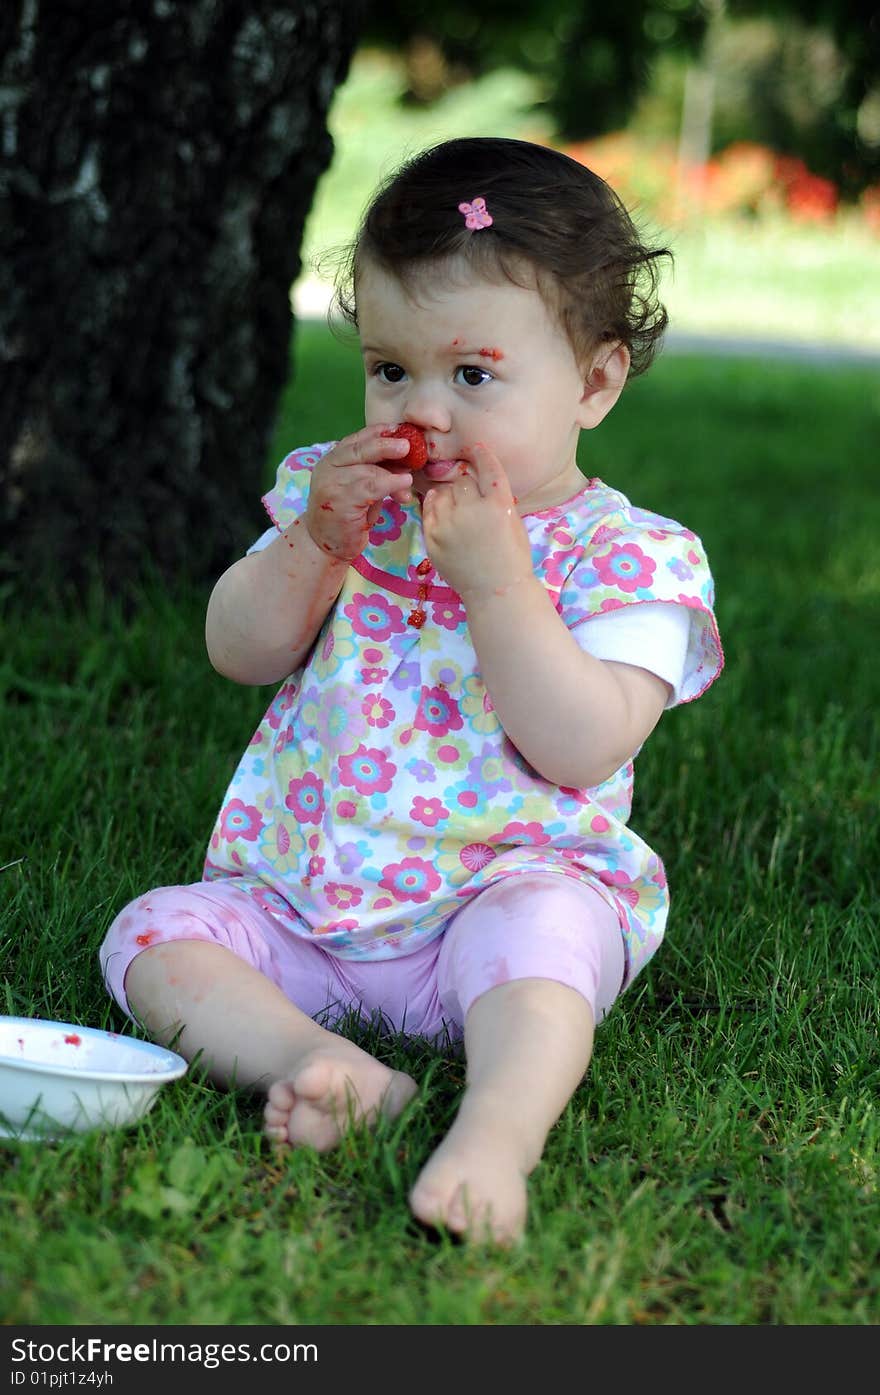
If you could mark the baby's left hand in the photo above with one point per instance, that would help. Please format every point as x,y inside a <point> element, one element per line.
<point>474,535</point>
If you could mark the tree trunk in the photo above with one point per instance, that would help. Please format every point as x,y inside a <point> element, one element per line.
<point>157,162</point>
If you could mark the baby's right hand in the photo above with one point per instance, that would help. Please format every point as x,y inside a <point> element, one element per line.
<point>348,487</point>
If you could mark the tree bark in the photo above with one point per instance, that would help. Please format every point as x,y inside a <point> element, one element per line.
<point>157,163</point>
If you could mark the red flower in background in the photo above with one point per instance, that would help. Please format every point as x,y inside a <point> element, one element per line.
<point>744,178</point>
<point>808,197</point>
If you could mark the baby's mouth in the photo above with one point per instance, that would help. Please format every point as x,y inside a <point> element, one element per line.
<point>444,469</point>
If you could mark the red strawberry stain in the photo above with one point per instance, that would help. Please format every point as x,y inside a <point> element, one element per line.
<point>495,354</point>
<point>147,938</point>
<point>73,1040</point>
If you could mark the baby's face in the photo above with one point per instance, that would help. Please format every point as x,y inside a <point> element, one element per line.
<point>470,361</point>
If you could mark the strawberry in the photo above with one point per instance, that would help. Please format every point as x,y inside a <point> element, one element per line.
<point>418,450</point>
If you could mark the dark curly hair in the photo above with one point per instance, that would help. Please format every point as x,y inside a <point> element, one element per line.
<point>556,227</point>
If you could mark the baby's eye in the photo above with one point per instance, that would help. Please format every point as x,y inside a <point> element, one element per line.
<point>389,372</point>
<point>472,376</point>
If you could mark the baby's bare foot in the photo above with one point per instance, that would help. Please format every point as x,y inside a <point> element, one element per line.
<point>474,1185</point>
<point>331,1087</point>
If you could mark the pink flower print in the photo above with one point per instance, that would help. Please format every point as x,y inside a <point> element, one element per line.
<point>284,739</point>
<point>367,771</point>
<point>389,525</point>
<point>240,820</point>
<point>466,797</point>
<point>378,711</point>
<point>448,614</point>
<point>279,705</point>
<point>628,567</point>
<point>570,792</point>
<point>316,865</point>
<point>428,811</point>
<point>521,833</point>
<point>373,672</point>
<point>305,798</point>
<point>336,925</point>
<point>622,885</point>
<point>438,713</point>
<point>569,801</point>
<point>342,895</point>
<point>557,566</point>
<point>271,901</point>
<point>413,879</point>
<point>374,617</point>
<point>603,535</point>
<point>476,856</point>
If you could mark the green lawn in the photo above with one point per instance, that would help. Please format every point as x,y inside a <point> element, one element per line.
<point>719,1164</point>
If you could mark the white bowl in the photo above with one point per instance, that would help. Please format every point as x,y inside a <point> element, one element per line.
<point>57,1078</point>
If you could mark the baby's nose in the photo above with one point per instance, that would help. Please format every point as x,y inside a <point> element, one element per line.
<point>426,407</point>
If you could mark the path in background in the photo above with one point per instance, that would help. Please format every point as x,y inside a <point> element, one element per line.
<point>737,346</point>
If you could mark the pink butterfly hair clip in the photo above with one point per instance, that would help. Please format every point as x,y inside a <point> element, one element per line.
<point>476,215</point>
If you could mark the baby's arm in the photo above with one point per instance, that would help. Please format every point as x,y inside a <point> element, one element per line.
<point>575,718</point>
<point>266,610</point>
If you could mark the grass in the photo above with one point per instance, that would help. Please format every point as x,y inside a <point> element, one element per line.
<point>719,1164</point>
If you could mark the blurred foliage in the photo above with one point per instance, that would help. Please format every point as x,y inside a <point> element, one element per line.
<point>803,78</point>
<point>594,57</point>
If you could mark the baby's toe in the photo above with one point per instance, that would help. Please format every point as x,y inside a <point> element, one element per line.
<point>280,1097</point>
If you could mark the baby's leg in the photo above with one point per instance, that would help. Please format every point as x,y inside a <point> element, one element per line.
<point>206,969</point>
<point>532,962</point>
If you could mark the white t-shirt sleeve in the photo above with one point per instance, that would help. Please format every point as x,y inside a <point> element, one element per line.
<point>652,635</point>
<point>263,541</point>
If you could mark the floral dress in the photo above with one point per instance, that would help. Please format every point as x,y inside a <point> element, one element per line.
<point>380,792</point>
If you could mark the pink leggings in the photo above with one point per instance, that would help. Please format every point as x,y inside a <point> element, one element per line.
<point>528,926</point>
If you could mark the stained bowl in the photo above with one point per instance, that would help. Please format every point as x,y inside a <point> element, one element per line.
<point>57,1078</point>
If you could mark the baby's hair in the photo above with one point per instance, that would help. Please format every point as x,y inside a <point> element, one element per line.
<point>556,226</point>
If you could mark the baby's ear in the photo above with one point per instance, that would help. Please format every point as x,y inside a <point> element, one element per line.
<point>604,383</point>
